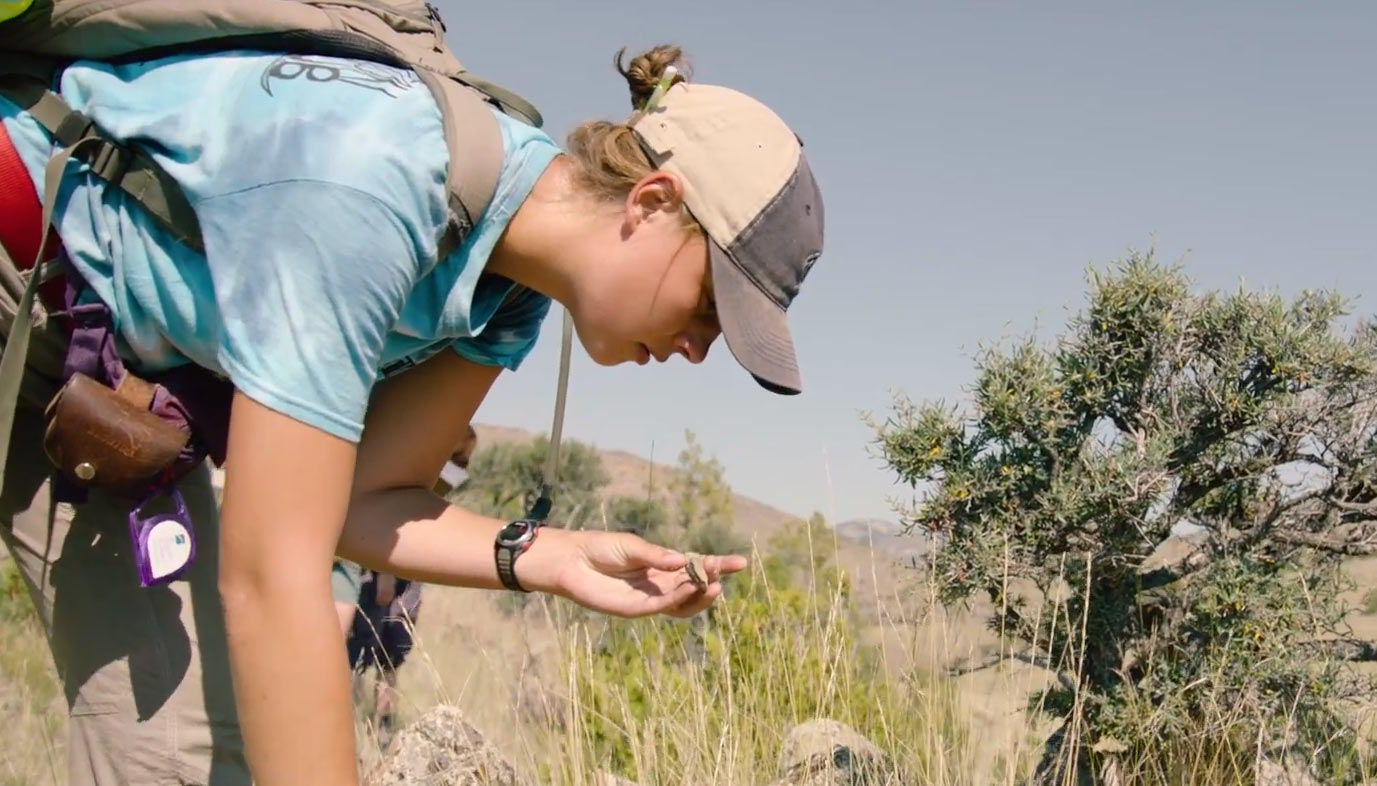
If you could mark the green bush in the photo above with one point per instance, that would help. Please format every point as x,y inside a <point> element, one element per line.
<point>642,516</point>
<point>1244,416</point>
<point>505,478</point>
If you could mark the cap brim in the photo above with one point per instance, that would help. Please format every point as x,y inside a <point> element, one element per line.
<point>755,327</point>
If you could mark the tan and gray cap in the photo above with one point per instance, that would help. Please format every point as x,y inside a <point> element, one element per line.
<point>748,184</point>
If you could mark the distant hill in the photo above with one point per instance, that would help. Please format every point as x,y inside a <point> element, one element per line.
<point>861,530</point>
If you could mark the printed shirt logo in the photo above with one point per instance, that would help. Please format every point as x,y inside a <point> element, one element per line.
<point>318,68</point>
<point>411,360</point>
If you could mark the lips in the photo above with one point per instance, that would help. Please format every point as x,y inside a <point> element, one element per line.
<point>642,354</point>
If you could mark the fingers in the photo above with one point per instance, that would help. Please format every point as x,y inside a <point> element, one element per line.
<point>695,601</point>
<point>719,566</point>
<point>704,585</point>
<point>682,599</point>
<point>641,551</point>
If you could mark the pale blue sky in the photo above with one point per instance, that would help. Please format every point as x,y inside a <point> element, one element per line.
<point>974,158</point>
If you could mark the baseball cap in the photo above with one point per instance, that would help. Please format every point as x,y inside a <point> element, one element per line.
<point>748,184</point>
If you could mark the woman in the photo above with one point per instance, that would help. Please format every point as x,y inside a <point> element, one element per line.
<point>358,359</point>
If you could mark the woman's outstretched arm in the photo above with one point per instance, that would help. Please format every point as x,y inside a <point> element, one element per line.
<point>396,524</point>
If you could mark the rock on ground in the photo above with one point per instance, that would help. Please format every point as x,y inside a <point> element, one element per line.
<point>824,752</point>
<point>1290,771</point>
<point>442,749</point>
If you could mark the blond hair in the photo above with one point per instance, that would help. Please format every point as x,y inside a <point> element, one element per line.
<point>608,159</point>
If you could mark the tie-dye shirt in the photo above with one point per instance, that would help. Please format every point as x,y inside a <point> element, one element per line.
<point>319,184</point>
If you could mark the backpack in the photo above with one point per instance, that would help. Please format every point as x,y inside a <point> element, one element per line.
<point>401,33</point>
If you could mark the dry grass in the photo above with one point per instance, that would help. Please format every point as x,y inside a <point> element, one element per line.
<point>514,670</point>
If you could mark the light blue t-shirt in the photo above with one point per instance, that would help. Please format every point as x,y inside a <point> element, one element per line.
<point>319,184</point>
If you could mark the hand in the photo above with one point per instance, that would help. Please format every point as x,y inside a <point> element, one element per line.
<point>624,575</point>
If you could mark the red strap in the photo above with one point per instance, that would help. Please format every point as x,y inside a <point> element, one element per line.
<point>20,216</point>
<point>20,211</point>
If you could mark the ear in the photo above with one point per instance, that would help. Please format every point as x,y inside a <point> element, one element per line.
<point>657,192</point>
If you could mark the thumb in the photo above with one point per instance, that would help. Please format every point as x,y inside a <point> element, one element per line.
<point>646,553</point>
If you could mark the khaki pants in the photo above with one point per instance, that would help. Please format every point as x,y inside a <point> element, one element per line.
<point>146,671</point>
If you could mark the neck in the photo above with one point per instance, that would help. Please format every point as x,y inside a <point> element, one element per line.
<point>543,241</point>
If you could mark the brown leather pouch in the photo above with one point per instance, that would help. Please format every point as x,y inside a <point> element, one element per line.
<point>108,439</point>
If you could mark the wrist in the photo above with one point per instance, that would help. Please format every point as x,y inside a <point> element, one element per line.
<point>538,567</point>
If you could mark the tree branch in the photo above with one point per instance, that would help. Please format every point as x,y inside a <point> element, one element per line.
<point>1356,507</point>
<point>1169,574</point>
<point>1354,547</point>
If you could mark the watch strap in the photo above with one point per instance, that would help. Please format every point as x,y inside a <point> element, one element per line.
<point>506,567</point>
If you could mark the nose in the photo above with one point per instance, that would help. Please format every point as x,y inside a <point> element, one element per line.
<point>694,344</point>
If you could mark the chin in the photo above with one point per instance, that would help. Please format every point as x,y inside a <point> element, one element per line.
<point>606,356</point>
<point>605,350</point>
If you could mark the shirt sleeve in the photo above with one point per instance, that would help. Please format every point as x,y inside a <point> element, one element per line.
<point>509,335</point>
<point>308,277</point>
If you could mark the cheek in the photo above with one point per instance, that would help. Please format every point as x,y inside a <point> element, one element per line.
<point>674,284</point>
<point>634,297</point>
<point>645,289</point>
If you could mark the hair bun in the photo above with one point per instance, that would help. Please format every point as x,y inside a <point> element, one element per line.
<point>646,69</point>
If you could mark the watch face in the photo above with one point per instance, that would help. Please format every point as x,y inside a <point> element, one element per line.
<point>516,533</point>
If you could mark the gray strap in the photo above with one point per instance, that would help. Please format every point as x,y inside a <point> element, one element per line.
<point>510,102</point>
<point>47,340</point>
<point>561,389</point>
<point>475,152</point>
<point>135,173</point>
<point>17,343</point>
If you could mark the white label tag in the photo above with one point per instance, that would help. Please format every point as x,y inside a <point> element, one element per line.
<point>169,547</point>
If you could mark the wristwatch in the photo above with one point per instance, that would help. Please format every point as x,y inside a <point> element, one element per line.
<point>512,541</point>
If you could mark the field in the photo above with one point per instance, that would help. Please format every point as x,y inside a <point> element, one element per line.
<point>522,673</point>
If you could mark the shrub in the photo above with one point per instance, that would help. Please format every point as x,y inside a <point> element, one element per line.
<point>1243,417</point>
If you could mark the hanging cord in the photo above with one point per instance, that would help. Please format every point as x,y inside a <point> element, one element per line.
<point>541,509</point>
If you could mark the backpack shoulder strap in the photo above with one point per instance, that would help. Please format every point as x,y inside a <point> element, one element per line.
<point>475,156</point>
<point>120,165</point>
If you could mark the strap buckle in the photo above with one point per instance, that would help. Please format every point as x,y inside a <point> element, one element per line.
<point>109,161</point>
